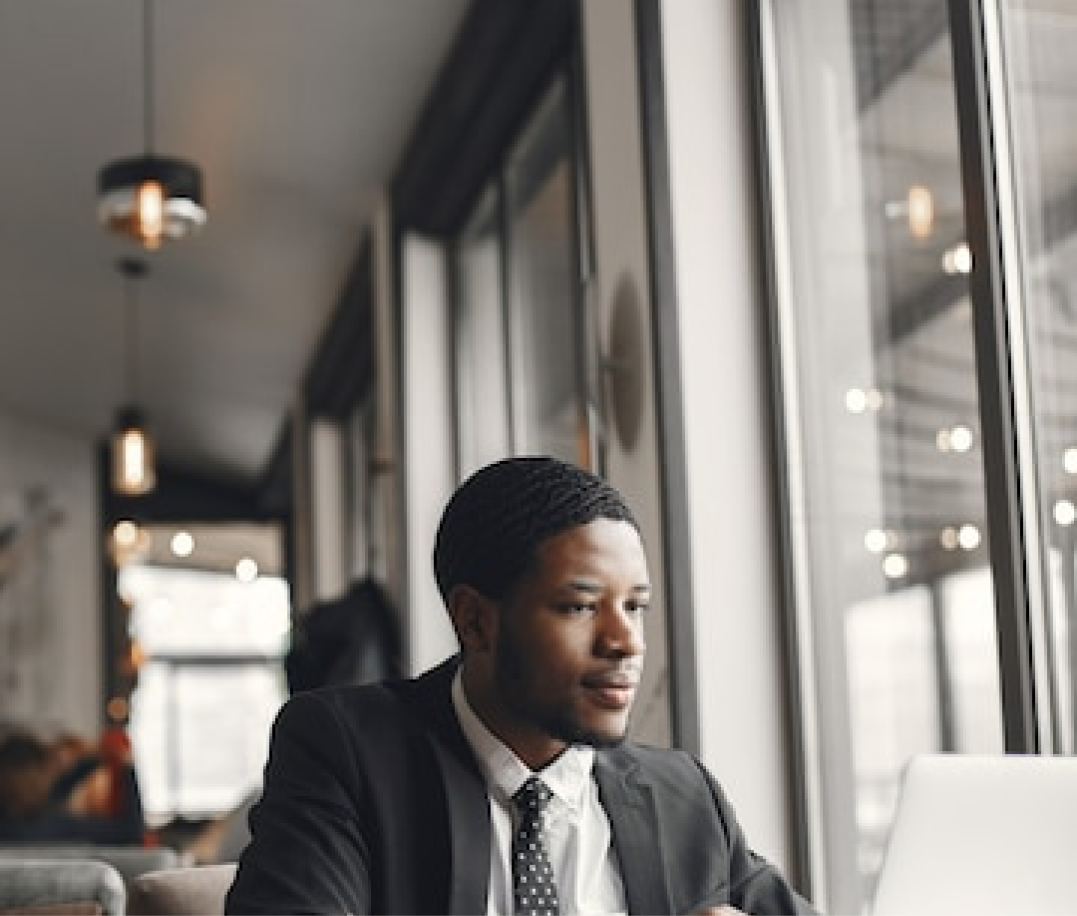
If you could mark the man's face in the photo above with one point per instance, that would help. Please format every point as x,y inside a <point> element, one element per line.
<point>569,644</point>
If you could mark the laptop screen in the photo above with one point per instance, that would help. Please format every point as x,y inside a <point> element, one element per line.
<point>982,835</point>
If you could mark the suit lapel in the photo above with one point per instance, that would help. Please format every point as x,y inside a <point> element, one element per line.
<point>628,802</point>
<point>469,831</point>
<point>464,793</point>
<point>630,808</point>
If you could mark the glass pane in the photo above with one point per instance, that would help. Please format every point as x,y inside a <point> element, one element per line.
<point>543,318</point>
<point>202,636</point>
<point>198,757</point>
<point>880,412</point>
<point>1039,39</point>
<point>483,432</point>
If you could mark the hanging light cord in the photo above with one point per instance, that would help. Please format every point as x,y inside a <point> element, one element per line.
<point>147,67</point>
<point>132,270</point>
<point>132,341</point>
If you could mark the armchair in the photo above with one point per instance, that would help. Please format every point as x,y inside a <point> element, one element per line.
<point>176,891</point>
<point>129,861</point>
<point>63,887</point>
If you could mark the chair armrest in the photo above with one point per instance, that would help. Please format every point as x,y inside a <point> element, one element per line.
<point>129,861</point>
<point>61,886</point>
<point>74,908</point>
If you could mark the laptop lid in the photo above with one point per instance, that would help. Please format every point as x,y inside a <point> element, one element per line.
<point>982,835</point>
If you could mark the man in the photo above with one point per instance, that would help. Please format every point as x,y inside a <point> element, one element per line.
<point>399,797</point>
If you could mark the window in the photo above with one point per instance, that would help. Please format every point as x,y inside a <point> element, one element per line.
<point>923,183</point>
<point>543,315</point>
<point>208,645</point>
<point>881,413</point>
<point>481,359</point>
<point>519,321</point>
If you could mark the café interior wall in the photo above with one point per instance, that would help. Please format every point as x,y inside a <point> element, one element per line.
<point>429,463</point>
<point>51,656</point>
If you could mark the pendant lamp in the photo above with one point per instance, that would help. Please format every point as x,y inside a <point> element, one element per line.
<point>133,452</point>
<point>150,198</point>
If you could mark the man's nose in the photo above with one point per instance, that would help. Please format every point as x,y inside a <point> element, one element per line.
<point>621,632</point>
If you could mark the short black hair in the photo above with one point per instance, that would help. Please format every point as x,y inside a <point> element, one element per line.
<point>497,518</point>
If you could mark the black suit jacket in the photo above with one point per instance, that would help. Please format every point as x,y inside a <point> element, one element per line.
<point>374,803</point>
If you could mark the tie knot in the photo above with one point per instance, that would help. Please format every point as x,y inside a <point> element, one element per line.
<point>533,796</point>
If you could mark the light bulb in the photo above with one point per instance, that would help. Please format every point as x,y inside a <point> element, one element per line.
<point>133,457</point>
<point>151,213</point>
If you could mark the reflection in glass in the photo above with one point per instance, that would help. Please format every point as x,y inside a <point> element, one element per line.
<point>481,360</point>
<point>881,418</point>
<point>520,343</point>
<point>543,313</point>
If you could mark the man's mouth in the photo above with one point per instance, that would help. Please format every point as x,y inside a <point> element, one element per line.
<point>613,691</point>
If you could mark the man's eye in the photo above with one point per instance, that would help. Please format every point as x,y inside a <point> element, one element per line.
<point>577,609</point>
<point>637,607</point>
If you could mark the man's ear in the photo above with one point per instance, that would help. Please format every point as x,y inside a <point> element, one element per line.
<point>474,618</point>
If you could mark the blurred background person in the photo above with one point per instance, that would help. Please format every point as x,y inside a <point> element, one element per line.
<point>70,789</point>
<point>353,639</point>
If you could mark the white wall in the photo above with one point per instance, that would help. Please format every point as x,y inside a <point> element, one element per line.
<point>50,592</point>
<point>741,695</point>
<point>428,454</point>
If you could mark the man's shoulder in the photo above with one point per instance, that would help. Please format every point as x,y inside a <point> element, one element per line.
<point>384,703</point>
<point>677,780</point>
<point>381,698</point>
<point>649,760</point>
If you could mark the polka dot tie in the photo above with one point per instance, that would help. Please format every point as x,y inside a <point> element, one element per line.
<point>534,890</point>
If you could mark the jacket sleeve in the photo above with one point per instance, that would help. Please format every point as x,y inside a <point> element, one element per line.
<point>309,851</point>
<point>755,885</point>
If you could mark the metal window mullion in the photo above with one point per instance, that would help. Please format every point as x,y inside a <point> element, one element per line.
<point>590,351</point>
<point>664,323</point>
<point>585,319</point>
<point>1002,374</point>
<point>510,322</point>
<point>455,247</point>
<point>798,584</point>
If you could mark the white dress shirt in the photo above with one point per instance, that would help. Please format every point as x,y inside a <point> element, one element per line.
<point>577,831</point>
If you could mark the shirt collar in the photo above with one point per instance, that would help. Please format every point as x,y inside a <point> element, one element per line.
<point>567,777</point>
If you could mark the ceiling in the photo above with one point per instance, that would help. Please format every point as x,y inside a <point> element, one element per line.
<point>296,114</point>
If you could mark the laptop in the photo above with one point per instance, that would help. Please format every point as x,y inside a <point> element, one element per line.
<point>984,835</point>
